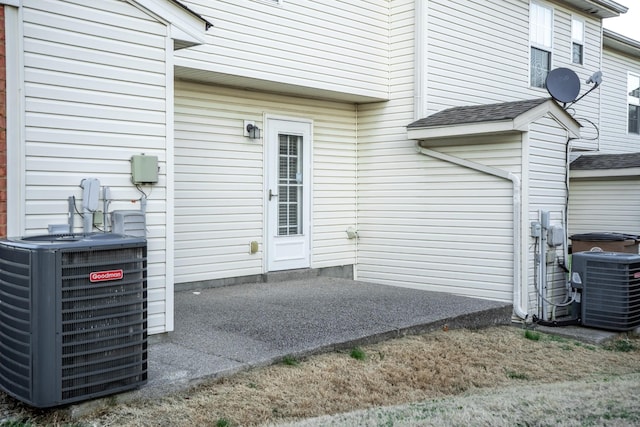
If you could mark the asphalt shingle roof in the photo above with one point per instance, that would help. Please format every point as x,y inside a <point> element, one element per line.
<point>606,161</point>
<point>478,113</point>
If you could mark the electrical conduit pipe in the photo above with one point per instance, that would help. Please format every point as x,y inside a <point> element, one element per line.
<point>519,287</point>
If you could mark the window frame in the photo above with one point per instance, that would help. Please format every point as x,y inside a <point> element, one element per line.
<point>633,101</point>
<point>578,41</point>
<point>546,44</point>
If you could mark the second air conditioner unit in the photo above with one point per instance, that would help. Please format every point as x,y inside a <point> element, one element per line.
<point>610,289</point>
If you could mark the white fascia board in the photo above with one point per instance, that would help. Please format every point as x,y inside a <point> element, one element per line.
<point>604,173</point>
<point>550,107</point>
<point>15,3</point>
<point>461,130</point>
<point>184,26</point>
<point>519,124</point>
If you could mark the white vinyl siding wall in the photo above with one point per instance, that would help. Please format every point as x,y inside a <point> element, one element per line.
<point>421,221</point>
<point>614,137</point>
<point>95,78</point>
<point>478,53</point>
<point>219,180</point>
<point>604,205</point>
<point>332,45</point>
<point>547,191</point>
<point>442,227</point>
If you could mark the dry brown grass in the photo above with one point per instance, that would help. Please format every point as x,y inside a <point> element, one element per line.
<point>410,369</point>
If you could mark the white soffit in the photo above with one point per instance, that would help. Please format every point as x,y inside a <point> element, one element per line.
<point>604,173</point>
<point>187,28</point>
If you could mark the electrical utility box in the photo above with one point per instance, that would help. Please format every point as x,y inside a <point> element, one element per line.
<point>73,317</point>
<point>144,169</point>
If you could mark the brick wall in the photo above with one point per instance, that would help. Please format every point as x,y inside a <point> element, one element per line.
<point>3,129</point>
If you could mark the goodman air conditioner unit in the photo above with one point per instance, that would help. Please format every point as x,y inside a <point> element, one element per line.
<point>610,284</point>
<point>73,317</point>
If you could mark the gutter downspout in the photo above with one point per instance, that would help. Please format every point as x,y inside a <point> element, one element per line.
<point>518,285</point>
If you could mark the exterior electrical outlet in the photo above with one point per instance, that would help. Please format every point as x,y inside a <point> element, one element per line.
<point>144,169</point>
<point>73,317</point>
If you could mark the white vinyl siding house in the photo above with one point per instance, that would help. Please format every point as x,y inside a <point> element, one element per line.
<point>101,83</point>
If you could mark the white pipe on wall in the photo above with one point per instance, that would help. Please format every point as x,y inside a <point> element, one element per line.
<point>519,286</point>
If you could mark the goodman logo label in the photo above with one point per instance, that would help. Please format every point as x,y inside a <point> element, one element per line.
<point>105,276</point>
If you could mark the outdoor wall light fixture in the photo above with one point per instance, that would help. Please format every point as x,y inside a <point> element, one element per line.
<point>253,131</point>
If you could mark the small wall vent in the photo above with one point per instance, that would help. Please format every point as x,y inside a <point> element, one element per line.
<point>129,223</point>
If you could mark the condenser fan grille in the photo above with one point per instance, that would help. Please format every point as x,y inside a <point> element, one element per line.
<point>103,322</point>
<point>15,321</point>
<point>612,295</point>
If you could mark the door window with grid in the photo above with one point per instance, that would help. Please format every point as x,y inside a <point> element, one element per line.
<point>289,185</point>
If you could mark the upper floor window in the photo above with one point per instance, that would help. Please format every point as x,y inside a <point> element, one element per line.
<point>633,99</point>
<point>577,41</point>
<point>541,41</point>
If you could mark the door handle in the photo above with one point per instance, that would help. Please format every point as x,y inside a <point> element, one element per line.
<point>271,195</point>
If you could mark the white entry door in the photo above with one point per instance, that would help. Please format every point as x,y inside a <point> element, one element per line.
<point>288,194</point>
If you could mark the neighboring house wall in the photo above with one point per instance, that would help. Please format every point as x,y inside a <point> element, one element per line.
<point>220,193</point>
<point>95,86</point>
<point>614,135</point>
<point>606,197</point>
<point>607,204</point>
<point>310,48</point>
<point>3,129</point>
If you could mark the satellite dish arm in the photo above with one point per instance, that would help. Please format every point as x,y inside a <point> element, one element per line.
<point>583,95</point>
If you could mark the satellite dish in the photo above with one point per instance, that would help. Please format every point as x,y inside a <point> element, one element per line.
<point>563,85</point>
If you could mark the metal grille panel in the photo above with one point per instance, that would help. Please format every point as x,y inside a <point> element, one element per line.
<point>611,295</point>
<point>15,321</point>
<point>104,325</point>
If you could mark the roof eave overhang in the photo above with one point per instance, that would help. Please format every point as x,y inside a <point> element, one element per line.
<point>613,40</point>
<point>440,132</point>
<point>600,8</point>
<point>520,123</point>
<point>604,173</point>
<point>186,27</point>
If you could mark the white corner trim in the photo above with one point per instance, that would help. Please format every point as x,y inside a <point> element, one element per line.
<point>15,122</point>
<point>170,189</point>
